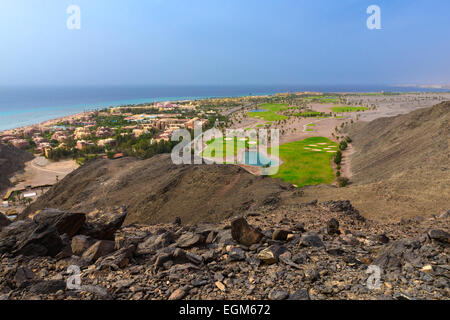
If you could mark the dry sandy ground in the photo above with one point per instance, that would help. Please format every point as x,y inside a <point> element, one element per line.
<point>388,106</point>
<point>40,171</point>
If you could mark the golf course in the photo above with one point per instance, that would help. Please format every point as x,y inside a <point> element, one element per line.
<point>307,162</point>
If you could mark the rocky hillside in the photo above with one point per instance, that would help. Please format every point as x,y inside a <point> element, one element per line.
<point>156,191</point>
<point>298,252</point>
<point>11,160</point>
<point>401,166</point>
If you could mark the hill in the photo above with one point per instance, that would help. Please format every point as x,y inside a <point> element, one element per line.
<point>401,166</point>
<point>157,191</point>
<point>11,160</point>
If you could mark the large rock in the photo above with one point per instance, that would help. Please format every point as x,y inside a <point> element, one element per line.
<point>243,233</point>
<point>236,254</point>
<point>154,243</point>
<point>63,221</point>
<point>43,241</point>
<point>23,275</point>
<point>48,286</point>
<point>280,234</point>
<point>439,235</point>
<point>99,249</point>
<point>301,294</point>
<point>333,227</point>
<point>104,226</point>
<point>119,259</point>
<point>276,294</point>
<point>189,240</point>
<point>271,254</point>
<point>312,240</point>
<point>81,243</point>
<point>4,221</point>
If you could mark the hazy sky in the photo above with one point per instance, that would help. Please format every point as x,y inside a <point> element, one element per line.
<point>198,42</point>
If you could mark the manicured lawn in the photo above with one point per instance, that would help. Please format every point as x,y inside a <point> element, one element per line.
<point>221,148</point>
<point>311,125</point>
<point>304,166</point>
<point>271,113</point>
<point>348,109</point>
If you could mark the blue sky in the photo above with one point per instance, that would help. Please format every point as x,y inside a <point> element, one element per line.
<point>223,42</point>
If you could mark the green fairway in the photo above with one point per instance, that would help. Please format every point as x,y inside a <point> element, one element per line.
<point>271,113</point>
<point>307,162</point>
<point>348,109</point>
<point>221,148</point>
<point>311,125</point>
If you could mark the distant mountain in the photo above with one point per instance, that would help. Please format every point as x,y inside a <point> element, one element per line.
<point>11,160</point>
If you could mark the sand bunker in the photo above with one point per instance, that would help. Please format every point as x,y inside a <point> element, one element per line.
<point>312,145</point>
<point>322,143</point>
<point>252,142</point>
<point>228,139</point>
<point>316,150</point>
<point>332,151</point>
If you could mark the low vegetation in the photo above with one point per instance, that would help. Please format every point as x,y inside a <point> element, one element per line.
<point>272,112</point>
<point>348,109</point>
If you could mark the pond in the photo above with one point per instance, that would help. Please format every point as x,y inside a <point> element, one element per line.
<point>255,158</point>
<point>259,110</point>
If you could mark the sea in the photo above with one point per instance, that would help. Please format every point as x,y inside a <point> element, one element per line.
<point>22,106</point>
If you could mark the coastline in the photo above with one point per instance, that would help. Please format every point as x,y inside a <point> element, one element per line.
<point>46,123</point>
<point>90,107</point>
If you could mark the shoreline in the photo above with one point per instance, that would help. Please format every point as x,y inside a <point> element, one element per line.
<point>46,123</point>
<point>53,121</point>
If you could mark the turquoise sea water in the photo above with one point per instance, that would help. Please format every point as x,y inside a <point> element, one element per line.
<point>21,106</point>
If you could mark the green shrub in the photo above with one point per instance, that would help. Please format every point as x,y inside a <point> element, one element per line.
<point>342,182</point>
<point>338,157</point>
<point>343,145</point>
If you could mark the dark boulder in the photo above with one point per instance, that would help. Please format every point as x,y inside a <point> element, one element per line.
<point>103,227</point>
<point>243,233</point>
<point>333,227</point>
<point>4,221</point>
<point>280,234</point>
<point>63,221</point>
<point>439,235</point>
<point>99,249</point>
<point>44,240</point>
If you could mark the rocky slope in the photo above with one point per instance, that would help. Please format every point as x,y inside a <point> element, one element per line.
<point>401,166</point>
<point>299,251</point>
<point>11,160</point>
<point>155,190</point>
